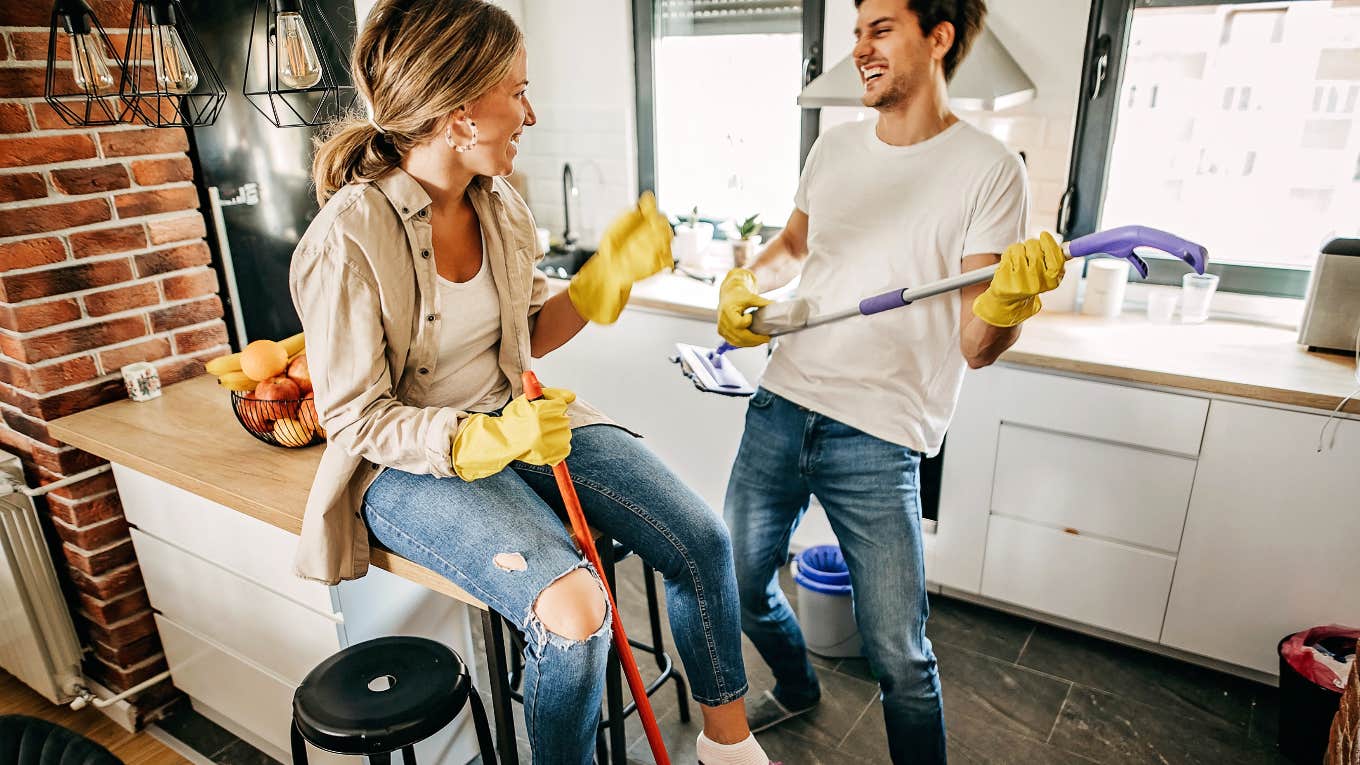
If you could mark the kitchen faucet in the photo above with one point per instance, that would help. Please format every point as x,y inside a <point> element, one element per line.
<point>569,190</point>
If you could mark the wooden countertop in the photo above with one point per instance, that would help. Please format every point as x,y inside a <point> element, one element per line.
<point>189,438</point>
<point>1250,361</point>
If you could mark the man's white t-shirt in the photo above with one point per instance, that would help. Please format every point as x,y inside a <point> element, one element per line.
<point>882,217</point>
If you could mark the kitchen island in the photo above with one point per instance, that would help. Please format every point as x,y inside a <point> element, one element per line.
<point>215,515</point>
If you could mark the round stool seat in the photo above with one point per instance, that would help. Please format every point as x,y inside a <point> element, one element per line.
<point>381,695</point>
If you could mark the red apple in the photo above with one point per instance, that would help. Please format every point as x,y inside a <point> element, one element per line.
<point>256,414</point>
<point>297,372</point>
<point>282,395</point>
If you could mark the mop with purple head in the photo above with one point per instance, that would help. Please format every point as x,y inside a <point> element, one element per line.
<point>712,373</point>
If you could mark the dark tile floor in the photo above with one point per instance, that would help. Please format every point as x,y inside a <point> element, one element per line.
<point>1014,691</point>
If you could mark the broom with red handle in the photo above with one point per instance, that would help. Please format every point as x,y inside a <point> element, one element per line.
<point>581,532</point>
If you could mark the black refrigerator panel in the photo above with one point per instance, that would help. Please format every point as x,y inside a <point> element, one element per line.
<point>257,191</point>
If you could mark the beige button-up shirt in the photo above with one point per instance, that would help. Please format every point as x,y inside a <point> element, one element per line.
<point>363,280</point>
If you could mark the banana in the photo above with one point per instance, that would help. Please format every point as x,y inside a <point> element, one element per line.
<point>224,364</point>
<point>237,381</point>
<point>293,345</point>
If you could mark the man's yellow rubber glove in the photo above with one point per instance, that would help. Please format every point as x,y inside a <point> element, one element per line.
<point>1027,269</point>
<point>736,295</point>
<point>535,432</point>
<point>636,246</point>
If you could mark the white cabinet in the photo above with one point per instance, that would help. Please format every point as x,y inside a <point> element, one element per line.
<point>1101,489</point>
<point>240,630</point>
<point>1105,460</point>
<point>210,531</point>
<point>1211,527</point>
<point>1272,542</point>
<point>251,697</point>
<point>1093,581</point>
<point>240,615</point>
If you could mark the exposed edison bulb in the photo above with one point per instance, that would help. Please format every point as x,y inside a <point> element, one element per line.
<point>91,74</point>
<point>175,71</point>
<point>299,66</point>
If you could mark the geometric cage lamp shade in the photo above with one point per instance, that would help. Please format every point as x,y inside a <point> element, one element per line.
<point>294,72</point>
<point>170,81</point>
<point>88,93</point>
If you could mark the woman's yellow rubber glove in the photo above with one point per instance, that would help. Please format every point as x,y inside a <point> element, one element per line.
<point>535,432</point>
<point>1027,269</point>
<point>736,295</point>
<point>636,246</point>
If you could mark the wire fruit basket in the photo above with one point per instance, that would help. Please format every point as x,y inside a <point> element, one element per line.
<point>287,423</point>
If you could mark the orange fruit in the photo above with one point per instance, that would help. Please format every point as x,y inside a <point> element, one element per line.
<point>290,432</point>
<point>263,359</point>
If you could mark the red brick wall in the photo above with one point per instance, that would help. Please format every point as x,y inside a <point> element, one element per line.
<point>102,263</point>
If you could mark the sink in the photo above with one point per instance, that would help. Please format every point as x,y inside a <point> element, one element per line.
<point>562,262</point>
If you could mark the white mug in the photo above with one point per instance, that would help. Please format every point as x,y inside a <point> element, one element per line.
<point>1106,279</point>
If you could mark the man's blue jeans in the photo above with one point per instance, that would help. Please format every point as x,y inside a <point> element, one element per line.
<point>868,487</point>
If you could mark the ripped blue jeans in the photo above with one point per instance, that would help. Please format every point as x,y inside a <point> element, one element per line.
<point>457,529</point>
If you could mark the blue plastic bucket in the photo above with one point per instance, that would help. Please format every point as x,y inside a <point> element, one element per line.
<point>826,611</point>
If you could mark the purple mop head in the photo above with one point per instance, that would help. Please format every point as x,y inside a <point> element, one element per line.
<point>710,372</point>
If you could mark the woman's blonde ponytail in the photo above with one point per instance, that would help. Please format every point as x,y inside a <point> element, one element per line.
<point>350,151</point>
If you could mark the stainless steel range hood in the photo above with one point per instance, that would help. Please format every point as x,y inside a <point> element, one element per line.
<point>989,79</point>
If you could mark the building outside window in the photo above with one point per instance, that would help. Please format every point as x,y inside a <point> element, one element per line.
<point>1235,125</point>
<point>719,124</point>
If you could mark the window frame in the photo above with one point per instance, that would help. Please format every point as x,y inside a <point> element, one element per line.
<point>644,77</point>
<point>1102,80</point>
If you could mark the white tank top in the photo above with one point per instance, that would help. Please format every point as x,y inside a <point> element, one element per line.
<point>467,374</point>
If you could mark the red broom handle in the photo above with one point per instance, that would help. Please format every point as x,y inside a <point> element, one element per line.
<point>581,531</point>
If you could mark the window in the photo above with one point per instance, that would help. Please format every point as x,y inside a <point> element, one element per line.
<point>719,127</point>
<point>1230,123</point>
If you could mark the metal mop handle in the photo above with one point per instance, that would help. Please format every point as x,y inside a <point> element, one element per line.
<point>581,532</point>
<point>1117,242</point>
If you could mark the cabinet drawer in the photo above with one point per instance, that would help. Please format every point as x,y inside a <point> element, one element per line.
<point>1126,494</point>
<point>257,624</point>
<point>252,697</point>
<point>1087,580</point>
<point>1150,419</point>
<point>233,540</point>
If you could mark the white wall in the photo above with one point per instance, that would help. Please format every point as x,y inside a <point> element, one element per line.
<point>1048,39</point>
<point>581,86</point>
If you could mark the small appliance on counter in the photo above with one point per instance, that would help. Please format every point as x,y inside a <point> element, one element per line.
<point>1331,317</point>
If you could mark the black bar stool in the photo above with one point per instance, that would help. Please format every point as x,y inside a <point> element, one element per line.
<point>385,695</point>
<point>610,744</point>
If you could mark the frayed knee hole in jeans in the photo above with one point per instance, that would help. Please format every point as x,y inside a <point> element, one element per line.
<point>570,610</point>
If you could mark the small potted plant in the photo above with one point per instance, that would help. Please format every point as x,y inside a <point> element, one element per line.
<point>691,240</point>
<point>748,239</point>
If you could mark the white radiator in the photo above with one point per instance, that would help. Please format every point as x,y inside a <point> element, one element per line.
<point>38,642</point>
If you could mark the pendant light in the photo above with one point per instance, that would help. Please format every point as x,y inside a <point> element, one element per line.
<point>293,75</point>
<point>90,96</point>
<point>170,80</point>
